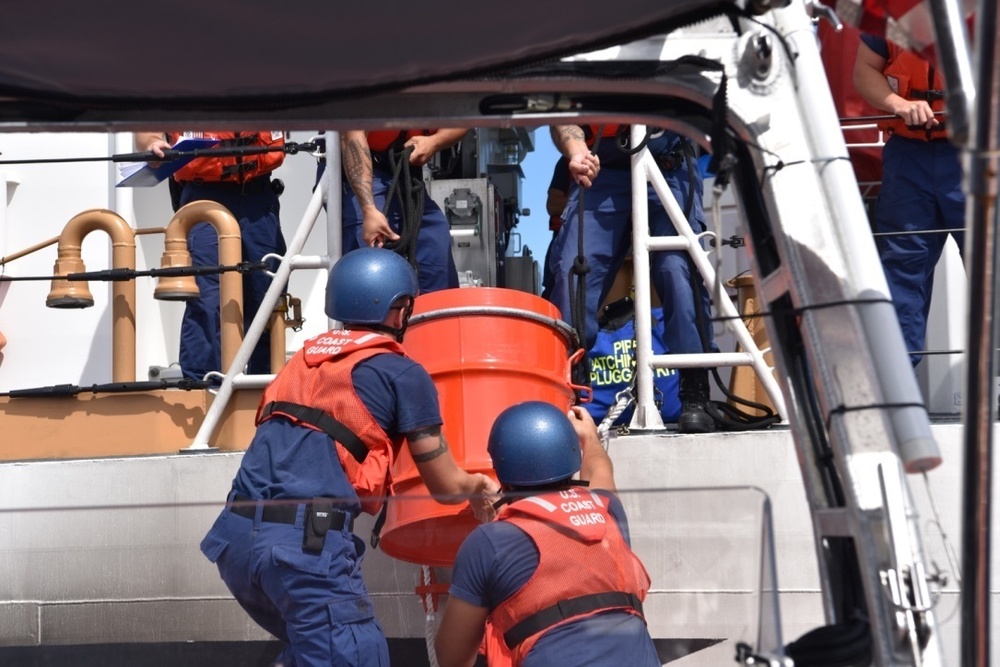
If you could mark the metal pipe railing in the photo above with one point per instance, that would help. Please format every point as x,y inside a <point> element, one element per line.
<point>260,322</point>
<point>647,415</point>
<point>76,294</point>
<point>176,253</point>
<point>981,252</point>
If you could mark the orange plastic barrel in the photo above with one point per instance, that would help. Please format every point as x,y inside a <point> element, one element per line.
<point>486,349</point>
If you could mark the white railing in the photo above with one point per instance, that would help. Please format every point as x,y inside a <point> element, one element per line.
<point>647,416</point>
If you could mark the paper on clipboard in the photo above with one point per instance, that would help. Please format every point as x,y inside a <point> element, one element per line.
<point>142,175</point>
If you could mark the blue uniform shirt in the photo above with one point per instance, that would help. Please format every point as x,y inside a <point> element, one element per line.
<point>876,44</point>
<point>498,558</point>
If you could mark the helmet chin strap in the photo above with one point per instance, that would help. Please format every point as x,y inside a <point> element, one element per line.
<point>407,311</point>
<point>397,333</point>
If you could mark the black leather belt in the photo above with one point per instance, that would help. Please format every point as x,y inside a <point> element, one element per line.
<point>284,511</point>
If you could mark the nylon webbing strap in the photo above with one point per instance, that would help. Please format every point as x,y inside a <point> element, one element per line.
<point>926,95</point>
<point>377,528</point>
<point>564,609</point>
<point>324,422</point>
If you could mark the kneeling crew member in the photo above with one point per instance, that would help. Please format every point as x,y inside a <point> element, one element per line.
<point>553,581</point>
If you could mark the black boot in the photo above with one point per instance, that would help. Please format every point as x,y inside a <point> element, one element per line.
<point>694,397</point>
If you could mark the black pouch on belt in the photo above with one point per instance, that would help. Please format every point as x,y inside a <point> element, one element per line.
<point>318,520</point>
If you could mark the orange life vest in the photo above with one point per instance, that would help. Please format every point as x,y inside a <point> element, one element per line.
<point>581,553</point>
<point>913,78</point>
<point>606,130</point>
<point>383,140</point>
<point>235,168</point>
<point>319,376</point>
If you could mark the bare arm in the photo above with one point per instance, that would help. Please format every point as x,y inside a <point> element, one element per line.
<point>357,161</point>
<point>596,466</point>
<point>569,139</point>
<point>555,202</point>
<point>424,148</point>
<point>571,142</point>
<point>460,634</point>
<point>443,477</point>
<point>151,141</point>
<point>873,86</point>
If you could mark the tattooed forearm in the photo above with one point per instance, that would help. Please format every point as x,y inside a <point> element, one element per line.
<point>357,161</point>
<point>426,432</point>
<point>429,432</point>
<point>433,454</point>
<point>562,135</point>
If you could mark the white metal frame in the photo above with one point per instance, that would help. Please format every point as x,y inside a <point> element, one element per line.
<point>647,416</point>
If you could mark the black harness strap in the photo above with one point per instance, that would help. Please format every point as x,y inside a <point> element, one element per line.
<point>377,528</point>
<point>324,422</point>
<point>927,95</point>
<point>238,140</point>
<point>564,609</point>
<point>239,168</point>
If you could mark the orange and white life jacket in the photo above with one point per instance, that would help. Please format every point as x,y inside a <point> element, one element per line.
<point>591,132</point>
<point>913,78</point>
<point>584,567</point>
<point>315,387</point>
<point>383,140</point>
<point>234,168</point>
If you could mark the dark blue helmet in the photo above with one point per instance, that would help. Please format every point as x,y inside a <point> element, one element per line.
<point>365,283</point>
<point>533,443</point>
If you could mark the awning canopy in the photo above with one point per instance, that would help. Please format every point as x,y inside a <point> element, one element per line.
<point>184,60</point>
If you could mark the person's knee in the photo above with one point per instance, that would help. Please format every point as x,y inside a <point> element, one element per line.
<point>356,640</point>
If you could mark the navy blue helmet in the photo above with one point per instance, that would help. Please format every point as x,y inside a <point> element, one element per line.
<point>365,283</point>
<point>532,444</point>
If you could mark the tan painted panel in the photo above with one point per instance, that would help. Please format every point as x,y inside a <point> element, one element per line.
<point>99,425</point>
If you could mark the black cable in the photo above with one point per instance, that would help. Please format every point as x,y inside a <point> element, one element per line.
<point>66,390</point>
<point>729,417</point>
<point>118,275</point>
<point>577,285</point>
<point>624,138</point>
<point>290,148</point>
<point>409,192</point>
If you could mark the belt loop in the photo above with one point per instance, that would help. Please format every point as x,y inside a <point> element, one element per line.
<point>301,515</point>
<point>258,515</point>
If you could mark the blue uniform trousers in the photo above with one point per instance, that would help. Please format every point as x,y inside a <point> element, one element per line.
<point>607,227</point>
<point>435,263</point>
<point>316,603</point>
<point>921,191</point>
<point>260,229</point>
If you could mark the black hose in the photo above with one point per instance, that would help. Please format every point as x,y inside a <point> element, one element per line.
<point>409,192</point>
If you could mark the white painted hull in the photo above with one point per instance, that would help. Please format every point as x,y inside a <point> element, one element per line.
<point>116,559</point>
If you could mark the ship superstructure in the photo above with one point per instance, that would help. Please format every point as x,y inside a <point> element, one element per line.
<point>126,482</point>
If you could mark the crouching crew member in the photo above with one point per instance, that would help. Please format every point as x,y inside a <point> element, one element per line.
<point>553,581</point>
<point>329,426</point>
